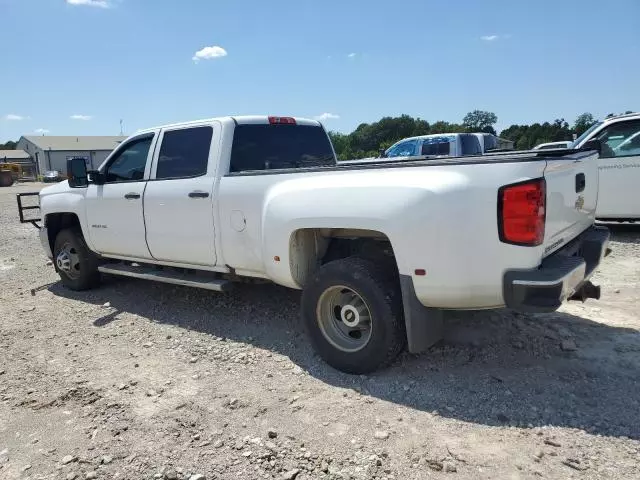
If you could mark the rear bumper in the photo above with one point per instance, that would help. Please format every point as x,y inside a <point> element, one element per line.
<point>559,276</point>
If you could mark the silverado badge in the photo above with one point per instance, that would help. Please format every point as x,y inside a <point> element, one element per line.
<point>579,202</point>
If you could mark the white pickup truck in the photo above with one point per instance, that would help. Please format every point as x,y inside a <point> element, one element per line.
<point>445,144</point>
<point>619,166</point>
<point>438,145</point>
<point>378,250</point>
<point>442,144</point>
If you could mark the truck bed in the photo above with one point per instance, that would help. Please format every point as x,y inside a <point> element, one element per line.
<point>424,161</point>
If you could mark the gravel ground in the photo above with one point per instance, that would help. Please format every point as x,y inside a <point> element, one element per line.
<point>138,380</point>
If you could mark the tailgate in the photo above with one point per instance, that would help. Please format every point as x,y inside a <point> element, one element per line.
<point>572,196</point>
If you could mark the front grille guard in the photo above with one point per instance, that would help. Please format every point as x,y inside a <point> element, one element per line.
<point>22,208</point>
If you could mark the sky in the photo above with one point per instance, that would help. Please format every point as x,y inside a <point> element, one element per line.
<point>78,67</point>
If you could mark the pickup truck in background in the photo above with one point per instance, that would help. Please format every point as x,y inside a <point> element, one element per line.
<point>439,145</point>
<point>379,250</point>
<point>618,165</point>
<point>445,144</point>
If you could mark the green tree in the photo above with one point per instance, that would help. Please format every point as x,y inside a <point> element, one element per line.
<point>341,145</point>
<point>10,145</point>
<point>480,121</point>
<point>447,127</point>
<point>526,137</point>
<point>371,137</point>
<point>583,123</point>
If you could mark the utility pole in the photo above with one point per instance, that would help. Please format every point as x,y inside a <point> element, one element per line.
<point>121,130</point>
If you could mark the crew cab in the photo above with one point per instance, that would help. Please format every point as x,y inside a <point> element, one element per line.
<point>378,250</point>
<point>619,166</point>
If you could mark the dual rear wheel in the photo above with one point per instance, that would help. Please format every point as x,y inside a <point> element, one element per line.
<point>352,313</point>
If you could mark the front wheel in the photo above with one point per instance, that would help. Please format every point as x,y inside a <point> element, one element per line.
<point>352,312</point>
<point>74,262</point>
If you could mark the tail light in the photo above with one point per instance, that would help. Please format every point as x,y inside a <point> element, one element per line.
<point>521,212</point>
<point>282,120</point>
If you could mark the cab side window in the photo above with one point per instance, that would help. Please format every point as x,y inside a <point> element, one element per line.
<point>404,149</point>
<point>184,153</point>
<point>436,146</point>
<point>129,163</point>
<point>620,140</point>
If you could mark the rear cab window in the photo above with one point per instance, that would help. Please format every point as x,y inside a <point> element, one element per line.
<point>490,142</point>
<point>259,147</point>
<point>470,144</point>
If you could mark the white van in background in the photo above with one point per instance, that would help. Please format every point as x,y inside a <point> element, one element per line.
<point>619,166</point>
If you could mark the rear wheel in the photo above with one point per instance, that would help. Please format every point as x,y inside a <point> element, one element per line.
<point>74,262</point>
<point>352,312</point>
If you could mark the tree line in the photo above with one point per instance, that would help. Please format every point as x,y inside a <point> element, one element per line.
<point>369,138</point>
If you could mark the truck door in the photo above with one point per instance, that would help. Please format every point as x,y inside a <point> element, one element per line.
<point>179,198</point>
<point>619,166</point>
<point>114,210</point>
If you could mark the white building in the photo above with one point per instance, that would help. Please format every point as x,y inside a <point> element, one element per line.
<point>52,152</point>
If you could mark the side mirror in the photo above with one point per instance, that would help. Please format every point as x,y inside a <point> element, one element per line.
<point>593,144</point>
<point>77,173</point>
<point>382,153</point>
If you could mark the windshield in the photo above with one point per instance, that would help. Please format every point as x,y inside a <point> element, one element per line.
<point>402,149</point>
<point>585,134</point>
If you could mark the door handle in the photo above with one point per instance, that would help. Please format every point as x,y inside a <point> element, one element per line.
<point>130,196</point>
<point>198,194</point>
<point>581,182</point>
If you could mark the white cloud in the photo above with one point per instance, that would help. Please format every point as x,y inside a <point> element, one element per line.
<point>80,117</point>
<point>90,3</point>
<point>207,53</point>
<point>351,55</point>
<point>489,38</point>
<point>13,116</point>
<point>41,131</point>
<point>327,116</point>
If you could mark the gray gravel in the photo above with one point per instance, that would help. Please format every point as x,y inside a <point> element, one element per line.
<point>140,380</point>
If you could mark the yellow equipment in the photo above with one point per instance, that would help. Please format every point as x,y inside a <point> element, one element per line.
<point>9,173</point>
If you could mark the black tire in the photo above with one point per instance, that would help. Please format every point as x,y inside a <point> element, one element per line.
<point>85,274</point>
<point>381,293</point>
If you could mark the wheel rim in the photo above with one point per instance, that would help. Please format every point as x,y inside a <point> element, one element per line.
<point>344,318</point>
<point>68,261</point>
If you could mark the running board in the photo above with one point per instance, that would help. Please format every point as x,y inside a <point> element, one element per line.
<point>204,280</point>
